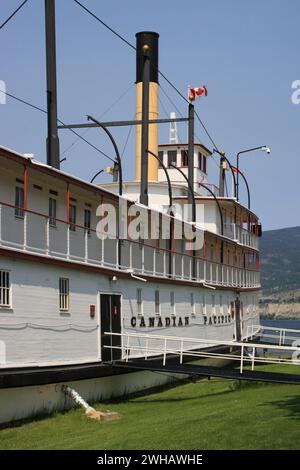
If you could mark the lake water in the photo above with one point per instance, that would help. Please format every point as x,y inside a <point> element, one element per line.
<point>293,324</point>
<point>289,337</point>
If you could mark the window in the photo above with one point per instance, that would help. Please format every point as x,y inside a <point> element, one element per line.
<point>200,160</point>
<point>139,302</point>
<point>72,215</point>
<point>63,294</point>
<point>193,304</point>
<point>228,305</point>
<point>203,304</point>
<point>52,212</point>
<point>172,157</point>
<point>19,202</point>
<point>184,158</point>
<point>157,302</point>
<point>213,304</point>
<point>4,289</point>
<point>204,164</point>
<point>160,158</point>
<point>172,303</point>
<point>87,220</point>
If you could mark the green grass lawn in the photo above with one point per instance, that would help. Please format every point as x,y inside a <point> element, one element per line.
<point>210,414</point>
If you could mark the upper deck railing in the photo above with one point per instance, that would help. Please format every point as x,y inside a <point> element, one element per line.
<point>36,233</point>
<point>241,235</point>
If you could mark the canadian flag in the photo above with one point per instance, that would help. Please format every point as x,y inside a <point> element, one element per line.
<point>197,92</point>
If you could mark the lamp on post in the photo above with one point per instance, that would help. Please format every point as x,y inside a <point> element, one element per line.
<point>263,148</point>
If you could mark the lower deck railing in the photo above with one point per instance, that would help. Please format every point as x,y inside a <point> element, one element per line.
<point>36,233</point>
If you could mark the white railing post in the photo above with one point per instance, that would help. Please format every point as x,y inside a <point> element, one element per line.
<point>143,258</point>
<point>130,255</point>
<point>127,348</point>
<point>182,267</point>
<point>242,359</point>
<point>86,253</point>
<point>174,265</point>
<point>253,357</point>
<point>165,268</point>
<point>165,352</point>
<point>68,241</point>
<point>154,261</point>
<point>191,274</point>
<point>146,349</point>
<point>47,236</point>
<point>25,232</point>
<point>204,270</point>
<point>181,351</point>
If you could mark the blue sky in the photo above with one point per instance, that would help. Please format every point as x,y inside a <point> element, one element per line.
<point>246,53</point>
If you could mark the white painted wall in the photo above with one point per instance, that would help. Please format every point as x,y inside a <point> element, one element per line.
<point>35,331</point>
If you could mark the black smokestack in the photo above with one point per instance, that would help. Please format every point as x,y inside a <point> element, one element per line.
<point>150,39</point>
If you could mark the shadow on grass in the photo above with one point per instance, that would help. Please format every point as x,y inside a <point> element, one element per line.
<point>181,399</point>
<point>291,405</point>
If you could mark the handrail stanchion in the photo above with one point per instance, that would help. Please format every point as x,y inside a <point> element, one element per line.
<point>181,351</point>
<point>127,348</point>
<point>47,236</point>
<point>165,352</point>
<point>242,359</point>
<point>253,357</point>
<point>146,349</point>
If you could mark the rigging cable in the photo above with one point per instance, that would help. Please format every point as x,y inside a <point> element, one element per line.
<point>101,116</point>
<point>60,122</point>
<point>13,14</point>
<point>128,44</point>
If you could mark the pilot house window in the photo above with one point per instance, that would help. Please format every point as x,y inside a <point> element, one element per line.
<point>172,156</point>
<point>160,158</point>
<point>63,294</point>
<point>4,289</point>
<point>184,158</point>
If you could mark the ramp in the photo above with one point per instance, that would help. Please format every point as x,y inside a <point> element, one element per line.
<point>196,371</point>
<point>174,355</point>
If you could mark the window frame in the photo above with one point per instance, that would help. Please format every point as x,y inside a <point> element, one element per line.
<point>172,304</point>
<point>87,226</point>
<point>139,302</point>
<point>157,307</point>
<point>72,217</point>
<point>184,158</point>
<point>52,214</point>
<point>160,158</point>
<point>172,153</point>
<point>64,294</point>
<point>193,305</point>
<point>19,202</point>
<point>5,290</point>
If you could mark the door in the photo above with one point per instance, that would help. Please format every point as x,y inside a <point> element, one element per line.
<point>110,314</point>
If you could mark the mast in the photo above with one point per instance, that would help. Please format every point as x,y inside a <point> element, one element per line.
<point>52,138</point>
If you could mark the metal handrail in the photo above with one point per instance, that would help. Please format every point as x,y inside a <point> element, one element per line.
<point>242,357</point>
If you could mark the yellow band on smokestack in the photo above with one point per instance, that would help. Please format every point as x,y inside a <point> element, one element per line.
<point>153,132</point>
<point>150,40</point>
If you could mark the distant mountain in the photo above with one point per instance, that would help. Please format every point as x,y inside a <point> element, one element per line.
<point>280,260</point>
